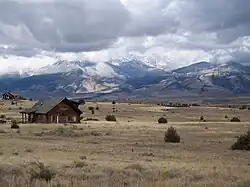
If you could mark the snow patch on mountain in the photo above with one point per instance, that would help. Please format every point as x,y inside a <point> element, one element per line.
<point>103,70</point>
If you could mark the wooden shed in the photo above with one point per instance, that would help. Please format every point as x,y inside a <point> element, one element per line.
<point>53,111</point>
<point>11,96</point>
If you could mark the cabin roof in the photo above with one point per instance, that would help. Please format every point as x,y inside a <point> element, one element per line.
<point>43,107</point>
<point>10,93</point>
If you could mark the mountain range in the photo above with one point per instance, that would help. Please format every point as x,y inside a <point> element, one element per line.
<point>129,78</point>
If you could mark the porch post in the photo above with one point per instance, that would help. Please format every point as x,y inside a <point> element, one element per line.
<point>78,119</point>
<point>25,118</point>
<point>57,119</point>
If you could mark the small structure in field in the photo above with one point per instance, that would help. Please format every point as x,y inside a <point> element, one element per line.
<point>11,96</point>
<point>53,111</point>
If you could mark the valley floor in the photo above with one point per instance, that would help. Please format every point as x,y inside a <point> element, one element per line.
<point>130,152</point>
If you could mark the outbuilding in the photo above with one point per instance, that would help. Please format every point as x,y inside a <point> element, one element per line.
<point>53,111</point>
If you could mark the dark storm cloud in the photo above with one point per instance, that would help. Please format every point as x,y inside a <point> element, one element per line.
<point>229,19</point>
<point>62,25</point>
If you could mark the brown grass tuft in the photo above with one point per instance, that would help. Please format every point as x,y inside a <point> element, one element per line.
<point>41,172</point>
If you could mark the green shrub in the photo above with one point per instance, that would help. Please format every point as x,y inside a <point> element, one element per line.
<point>80,164</point>
<point>202,118</point>
<point>14,125</point>
<point>29,150</point>
<point>242,143</point>
<point>91,119</point>
<point>195,104</point>
<point>235,119</point>
<point>185,105</point>
<point>243,184</point>
<point>2,116</point>
<point>82,157</point>
<point>91,108</point>
<point>171,135</point>
<point>243,107</point>
<point>95,133</point>
<point>162,120</point>
<point>110,118</point>
<point>97,108</point>
<point>15,152</point>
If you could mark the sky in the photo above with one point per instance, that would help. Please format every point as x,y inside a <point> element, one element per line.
<point>34,33</point>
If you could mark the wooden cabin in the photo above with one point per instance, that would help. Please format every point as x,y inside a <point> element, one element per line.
<point>11,96</point>
<point>53,111</point>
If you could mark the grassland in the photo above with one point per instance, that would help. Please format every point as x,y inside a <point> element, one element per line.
<point>130,152</point>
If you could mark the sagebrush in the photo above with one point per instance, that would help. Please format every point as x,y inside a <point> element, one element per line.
<point>171,135</point>
<point>162,120</point>
<point>235,119</point>
<point>202,118</point>
<point>14,125</point>
<point>110,118</point>
<point>243,142</point>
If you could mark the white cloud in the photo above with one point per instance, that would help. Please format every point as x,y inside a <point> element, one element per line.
<point>174,32</point>
<point>23,64</point>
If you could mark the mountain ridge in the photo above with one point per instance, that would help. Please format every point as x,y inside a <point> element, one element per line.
<point>131,78</point>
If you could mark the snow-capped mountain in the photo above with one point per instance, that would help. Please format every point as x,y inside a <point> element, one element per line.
<point>100,69</point>
<point>79,77</point>
<point>141,63</point>
<point>203,79</point>
<point>131,77</point>
<point>208,68</point>
<point>153,62</point>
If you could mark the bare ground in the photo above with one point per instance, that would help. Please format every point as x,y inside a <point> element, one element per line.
<point>129,152</point>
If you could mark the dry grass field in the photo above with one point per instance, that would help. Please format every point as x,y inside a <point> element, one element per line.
<point>128,153</point>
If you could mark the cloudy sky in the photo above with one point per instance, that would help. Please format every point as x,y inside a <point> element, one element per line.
<point>175,32</point>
